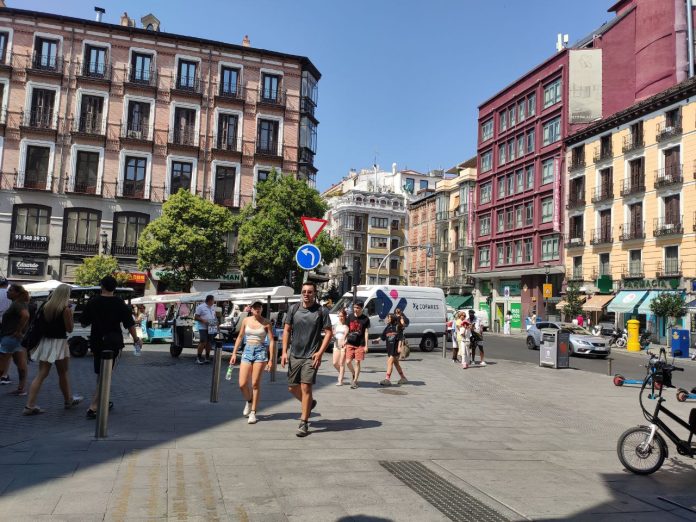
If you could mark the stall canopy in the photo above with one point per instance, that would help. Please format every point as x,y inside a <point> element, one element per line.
<point>597,303</point>
<point>644,307</point>
<point>560,304</point>
<point>460,301</point>
<point>43,286</point>
<point>626,301</point>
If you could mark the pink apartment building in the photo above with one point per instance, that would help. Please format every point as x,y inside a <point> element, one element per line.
<point>101,123</point>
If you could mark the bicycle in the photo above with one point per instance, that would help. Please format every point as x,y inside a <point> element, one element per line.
<point>643,449</point>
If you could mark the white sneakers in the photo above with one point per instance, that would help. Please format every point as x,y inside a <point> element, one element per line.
<point>482,363</point>
<point>252,418</point>
<point>247,409</point>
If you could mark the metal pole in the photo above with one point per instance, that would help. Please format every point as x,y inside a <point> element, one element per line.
<point>103,393</point>
<point>444,345</point>
<point>268,316</point>
<point>690,36</point>
<point>217,363</point>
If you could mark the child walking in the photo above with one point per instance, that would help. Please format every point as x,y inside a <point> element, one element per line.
<point>391,336</point>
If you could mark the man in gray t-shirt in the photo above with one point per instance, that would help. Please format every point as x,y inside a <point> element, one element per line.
<point>304,324</point>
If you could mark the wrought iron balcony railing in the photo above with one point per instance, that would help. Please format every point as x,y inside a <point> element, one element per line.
<point>672,225</point>
<point>633,185</point>
<point>632,230</point>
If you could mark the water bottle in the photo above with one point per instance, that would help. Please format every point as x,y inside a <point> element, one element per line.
<point>228,375</point>
<point>138,346</point>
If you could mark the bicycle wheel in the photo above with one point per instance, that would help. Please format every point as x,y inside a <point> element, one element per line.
<point>637,455</point>
<point>621,342</point>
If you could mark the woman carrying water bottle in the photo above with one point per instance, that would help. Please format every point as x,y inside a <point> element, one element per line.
<point>255,357</point>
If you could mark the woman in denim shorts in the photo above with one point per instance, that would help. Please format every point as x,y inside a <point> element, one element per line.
<point>255,357</point>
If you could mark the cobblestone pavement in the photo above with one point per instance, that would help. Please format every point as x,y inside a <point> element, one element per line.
<point>511,440</point>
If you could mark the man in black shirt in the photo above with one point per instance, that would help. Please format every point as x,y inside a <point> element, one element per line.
<point>356,340</point>
<point>106,312</point>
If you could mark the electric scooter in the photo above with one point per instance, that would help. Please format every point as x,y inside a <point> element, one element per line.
<point>620,380</point>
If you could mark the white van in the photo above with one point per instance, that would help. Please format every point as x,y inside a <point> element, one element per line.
<point>424,307</point>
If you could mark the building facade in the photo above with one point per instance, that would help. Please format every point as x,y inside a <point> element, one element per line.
<point>630,231</point>
<point>369,211</point>
<point>421,231</point>
<point>101,123</point>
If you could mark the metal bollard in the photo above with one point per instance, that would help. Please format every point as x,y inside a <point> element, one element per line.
<point>104,391</point>
<point>274,363</point>
<point>217,363</point>
<point>444,346</point>
<point>609,359</point>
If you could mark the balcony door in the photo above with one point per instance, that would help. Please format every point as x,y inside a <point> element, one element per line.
<point>180,176</point>
<point>42,104</point>
<point>86,172</point>
<point>635,213</point>
<point>81,231</point>
<point>134,177</point>
<point>270,87</point>
<point>672,210</point>
<point>127,229</point>
<point>672,162</point>
<point>605,224</point>
<point>227,132</point>
<point>138,119</point>
<point>637,172</point>
<point>224,185</point>
<point>95,61</point>
<point>184,126</point>
<point>46,54</point>
<point>141,68</point>
<point>36,167</point>
<point>91,114</point>
<point>268,137</point>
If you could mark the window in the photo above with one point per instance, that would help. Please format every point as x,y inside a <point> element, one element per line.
<point>4,39</point>
<point>138,122</point>
<point>394,244</point>
<point>549,248</point>
<point>510,184</point>
<point>520,146</point>
<point>511,150</point>
<point>186,76</point>
<point>180,176</point>
<point>30,223</point>
<point>518,217</point>
<point>225,180</point>
<point>500,253</point>
<point>552,131</point>
<point>141,68</point>
<point>501,187</point>
<point>409,185</point>
<point>127,229</point>
<point>502,117</point>
<point>378,242</point>
<point>508,253</point>
<point>487,130</point>
<point>184,132</point>
<point>547,209</point>
<point>395,224</point>
<point>635,263</point>
<point>262,175</point>
<point>552,93</point>
<point>529,179</point>
<point>486,193</point>
<point>512,116</point>
<point>672,260</point>
<point>423,184</point>
<point>484,256</point>
<point>95,62</point>
<point>502,154</point>
<point>547,171</point>
<point>379,222</point>
<point>531,105</point>
<point>91,114</point>
<point>134,177</point>
<point>86,171</point>
<point>604,265</point>
<point>393,264</point>
<point>229,81</point>
<point>270,88</point>
<point>375,262</point>
<point>518,251</point>
<point>521,110</point>
<point>227,132</point>
<point>530,142</point>
<point>519,177</point>
<point>500,221</point>
<point>267,137</point>
<point>485,225</point>
<point>577,267</point>
<point>508,219</point>
<point>45,54</point>
<point>36,167</point>
<point>528,250</point>
<point>528,214</point>
<point>81,230</point>
<point>486,161</point>
<point>41,112</point>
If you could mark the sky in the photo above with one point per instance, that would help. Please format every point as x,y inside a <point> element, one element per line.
<point>401,79</point>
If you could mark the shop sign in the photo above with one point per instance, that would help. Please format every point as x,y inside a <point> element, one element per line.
<point>649,284</point>
<point>233,277</point>
<point>515,286</point>
<point>28,267</point>
<point>516,315</point>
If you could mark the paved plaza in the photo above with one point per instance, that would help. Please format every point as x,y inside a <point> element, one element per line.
<point>511,441</point>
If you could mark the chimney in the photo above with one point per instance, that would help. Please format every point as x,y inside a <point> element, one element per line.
<point>245,41</point>
<point>394,168</point>
<point>100,12</point>
<point>2,3</point>
<point>126,21</point>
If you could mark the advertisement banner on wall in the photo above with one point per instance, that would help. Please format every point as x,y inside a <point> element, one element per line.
<point>585,85</point>
<point>484,307</point>
<point>27,267</point>
<point>516,312</point>
<point>557,194</point>
<point>470,210</point>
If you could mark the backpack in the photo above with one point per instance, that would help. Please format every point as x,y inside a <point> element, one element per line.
<point>405,349</point>
<point>34,334</point>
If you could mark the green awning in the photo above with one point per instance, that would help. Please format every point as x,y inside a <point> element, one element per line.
<point>644,307</point>
<point>458,302</point>
<point>626,301</point>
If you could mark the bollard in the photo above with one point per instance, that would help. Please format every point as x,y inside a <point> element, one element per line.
<point>275,357</point>
<point>609,359</point>
<point>444,346</point>
<point>103,393</point>
<point>217,363</point>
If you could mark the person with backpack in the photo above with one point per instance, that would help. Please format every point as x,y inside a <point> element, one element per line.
<point>356,341</point>
<point>402,323</point>
<point>303,347</point>
<point>54,321</point>
<point>391,336</point>
<point>14,323</point>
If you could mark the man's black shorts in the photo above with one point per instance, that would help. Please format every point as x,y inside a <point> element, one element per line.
<point>300,371</point>
<point>97,359</point>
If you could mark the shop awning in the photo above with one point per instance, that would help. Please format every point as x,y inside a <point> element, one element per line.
<point>560,304</point>
<point>644,307</point>
<point>597,303</point>
<point>458,302</point>
<point>626,301</point>
<point>691,305</point>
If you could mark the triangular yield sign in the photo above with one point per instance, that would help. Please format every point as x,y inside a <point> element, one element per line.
<point>312,227</point>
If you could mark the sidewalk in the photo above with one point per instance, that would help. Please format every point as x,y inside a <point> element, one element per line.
<point>511,441</point>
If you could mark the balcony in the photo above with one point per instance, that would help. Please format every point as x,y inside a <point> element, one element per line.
<point>46,64</point>
<point>39,119</point>
<point>576,164</point>
<point>602,193</point>
<point>632,142</point>
<point>132,190</point>
<point>233,93</point>
<point>634,185</point>
<point>575,240</point>
<point>84,187</point>
<point>576,274</point>
<point>88,125</point>
<point>183,136</point>
<point>601,236</point>
<point>33,182</point>
<point>268,149</point>
<point>81,248</point>
<point>670,268</point>
<point>441,248</point>
<point>575,201</point>
<point>29,242</point>
<point>124,250</point>
<point>305,156</point>
<point>271,98</point>
<point>135,131</point>
<point>634,270</point>
<point>228,144</point>
<point>307,106</point>
<point>187,85</point>
<point>668,176</point>
<point>460,280</point>
<point>229,200</point>
<point>632,231</point>
<point>141,78</point>
<point>670,226</point>
<point>442,215</point>
<point>95,71</point>
<point>5,59</point>
<point>669,129</point>
<point>603,154</point>
<point>461,245</point>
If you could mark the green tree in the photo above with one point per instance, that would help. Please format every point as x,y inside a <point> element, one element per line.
<point>188,240</point>
<point>93,269</point>
<point>573,306</point>
<point>270,231</point>
<point>668,305</point>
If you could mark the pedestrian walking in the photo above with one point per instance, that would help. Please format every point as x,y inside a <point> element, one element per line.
<point>476,338</point>
<point>105,313</point>
<point>255,357</point>
<point>508,321</point>
<point>4,305</point>
<point>356,341</point>
<point>402,323</point>
<point>14,322</point>
<point>54,322</point>
<point>391,336</point>
<point>340,331</point>
<point>207,328</point>
<point>465,348</point>
<point>303,347</point>
<point>581,320</point>
<point>454,333</point>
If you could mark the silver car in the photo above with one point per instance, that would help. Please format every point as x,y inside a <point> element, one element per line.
<point>581,340</point>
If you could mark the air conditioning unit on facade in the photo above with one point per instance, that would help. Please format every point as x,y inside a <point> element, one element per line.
<point>575,240</point>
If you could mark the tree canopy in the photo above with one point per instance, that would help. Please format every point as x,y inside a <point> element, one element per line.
<point>270,231</point>
<point>188,240</point>
<point>668,304</point>
<point>573,306</point>
<point>93,269</point>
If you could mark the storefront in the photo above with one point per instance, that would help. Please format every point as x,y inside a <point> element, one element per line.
<point>562,303</point>
<point>625,306</point>
<point>460,302</point>
<point>596,307</point>
<point>28,268</point>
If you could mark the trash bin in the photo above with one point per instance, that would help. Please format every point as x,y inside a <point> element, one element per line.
<point>554,351</point>
<point>680,343</point>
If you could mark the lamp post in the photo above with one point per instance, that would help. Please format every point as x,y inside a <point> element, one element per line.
<point>104,242</point>
<point>344,269</point>
<point>547,269</point>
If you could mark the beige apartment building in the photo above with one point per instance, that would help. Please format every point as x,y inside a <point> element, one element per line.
<point>102,122</point>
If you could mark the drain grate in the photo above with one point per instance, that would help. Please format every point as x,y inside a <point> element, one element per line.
<point>451,501</point>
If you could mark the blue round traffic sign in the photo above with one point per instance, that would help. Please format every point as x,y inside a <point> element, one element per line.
<point>308,257</point>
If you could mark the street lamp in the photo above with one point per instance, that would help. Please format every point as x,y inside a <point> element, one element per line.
<point>104,242</point>
<point>344,269</point>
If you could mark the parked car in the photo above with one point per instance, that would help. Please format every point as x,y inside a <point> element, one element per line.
<point>605,328</point>
<point>581,339</point>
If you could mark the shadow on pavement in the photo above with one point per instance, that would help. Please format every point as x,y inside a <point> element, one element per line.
<point>323,426</point>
